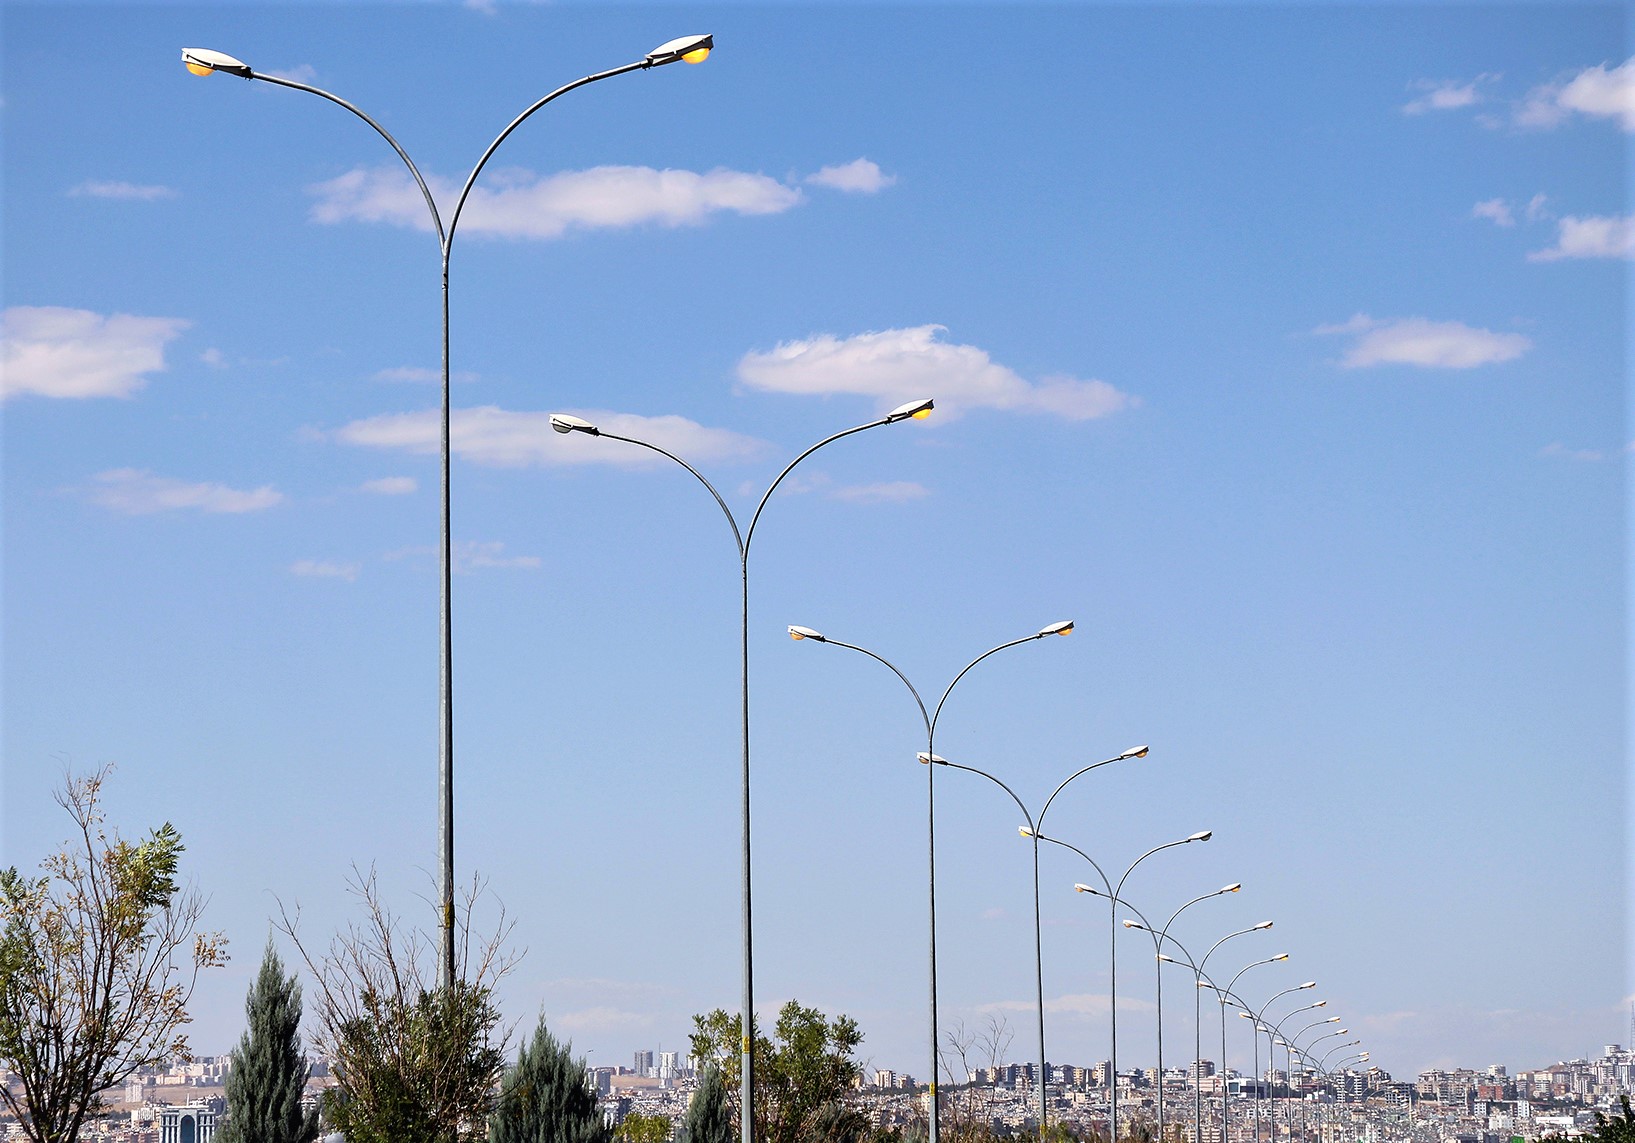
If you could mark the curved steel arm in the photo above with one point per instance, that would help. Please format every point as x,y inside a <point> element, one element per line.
<point>731,519</point>
<point>985,774</point>
<point>1275,996</point>
<point>1112,895</point>
<point>1223,940</point>
<point>749,534</point>
<point>1247,967</point>
<point>1144,856</point>
<point>936,714</point>
<point>454,219</point>
<point>1070,777</point>
<point>425,191</point>
<point>892,667</point>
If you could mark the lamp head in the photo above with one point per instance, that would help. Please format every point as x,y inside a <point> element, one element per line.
<point>563,423</point>
<point>1167,959</point>
<point>1201,835</point>
<point>1321,1004</point>
<point>1246,1015</point>
<point>1081,887</point>
<point>1024,831</point>
<point>1333,1020</point>
<point>203,61</point>
<point>1281,956</point>
<point>1136,925</point>
<point>692,49</point>
<point>1264,925</point>
<point>919,410</point>
<point>799,633</point>
<point>926,759</point>
<point>1235,887</point>
<point>1135,752</point>
<point>1309,984</point>
<point>1065,627</point>
<point>1341,1031</point>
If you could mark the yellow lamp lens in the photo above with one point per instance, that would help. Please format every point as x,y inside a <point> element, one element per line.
<point>698,56</point>
<point>199,68</point>
<point>921,415</point>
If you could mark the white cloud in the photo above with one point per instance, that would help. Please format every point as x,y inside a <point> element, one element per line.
<point>390,486</point>
<point>1556,448</point>
<point>1598,92</point>
<point>131,192</point>
<point>214,358</point>
<point>1428,344</point>
<point>1081,1004</point>
<point>1535,207</point>
<point>419,376</point>
<point>136,492</point>
<point>886,492</point>
<point>58,352</point>
<point>519,204</point>
<point>300,73</point>
<point>489,435</point>
<point>325,569</point>
<point>1593,237</point>
<point>1496,209</point>
<point>472,555</point>
<point>860,176</point>
<point>601,1019</point>
<point>897,365</point>
<point>1445,94</point>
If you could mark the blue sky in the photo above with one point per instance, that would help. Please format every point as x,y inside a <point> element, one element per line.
<point>1280,347</point>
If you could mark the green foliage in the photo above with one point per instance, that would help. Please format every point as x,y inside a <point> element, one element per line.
<point>546,1098</point>
<point>1616,1128</point>
<point>413,1060</point>
<point>98,958</point>
<point>269,1072</point>
<point>806,1064</point>
<point>639,1128</point>
<point>709,1118</point>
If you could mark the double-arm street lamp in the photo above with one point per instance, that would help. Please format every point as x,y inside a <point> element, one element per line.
<point>1159,936</point>
<point>1225,994</point>
<point>1257,1028</point>
<point>743,538</point>
<point>930,719</point>
<point>204,62</point>
<point>1032,832</point>
<point>1112,895</point>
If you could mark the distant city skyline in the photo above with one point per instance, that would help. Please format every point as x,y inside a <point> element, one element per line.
<point>1283,349</point>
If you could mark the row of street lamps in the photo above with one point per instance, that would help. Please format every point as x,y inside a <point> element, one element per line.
<point>694,49</point>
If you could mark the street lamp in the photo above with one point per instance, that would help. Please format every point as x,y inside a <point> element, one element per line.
<point>1031,831</point>
<point>1257,1027</point>
<point>1159,936</point>
<point>1222,994</point>
<point>799,634</point>
<point>1114,899</point>
<point>744,537</point>
<point>205,62</point>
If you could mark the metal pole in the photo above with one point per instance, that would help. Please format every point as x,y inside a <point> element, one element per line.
<point>1039,983</point>
<point>1197,1060</point>
<point>1112,1013</point>
<point>933,1110</point>
<point>746,1090</point>
<point>1160,964</point>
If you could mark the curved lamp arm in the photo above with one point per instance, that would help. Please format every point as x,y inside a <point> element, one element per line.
<point>1132,752</point>
<point>725,511</point>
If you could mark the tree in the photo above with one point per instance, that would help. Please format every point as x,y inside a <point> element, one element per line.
<point>98,958</point>
<point>709,1119</point>
<point>269,1072</point>
<point>639,1128</point>
<point>546,1098</point>
<point>1617,1128</point>
<point>413,1059</point>
<point>807,1063</point>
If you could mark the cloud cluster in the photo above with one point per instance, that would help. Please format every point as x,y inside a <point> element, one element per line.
<point>860,176</point>
<point>1446,94</point>
<point>897,365</point>
<point>137,492</point>
<point>53,351</point>
<point>1427,344</point>
<point>1598,92</point>
<point>325,569</point>
<point>390,486</point>
<point>503,438</point>
<point>1598,236</point>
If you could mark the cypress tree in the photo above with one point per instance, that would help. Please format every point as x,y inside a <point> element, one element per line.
<point>546,1098</point>
<point>709,1120</point>
<point>269,1072</point>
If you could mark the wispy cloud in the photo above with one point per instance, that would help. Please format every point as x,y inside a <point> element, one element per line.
<point>886,492</point>
<point>520,204</point>
<point>1599,92</point>
<point>130,192</point>
<point>1446,94</point>
<point>325,569</point>
<point>502,438</point>
<point>53,351</point>
<point>1427,344</point>
<point>1585,455</point>
<point>421,376</point>
<point>1079,1004</point>
<point>137,492</point>
<point>390,486</point>
<point>1598,236</point>
<point>897,365</point>
<point>860,176</point>
<point>300,73</point>
<point>473,555</point>
<point>1496,210</point>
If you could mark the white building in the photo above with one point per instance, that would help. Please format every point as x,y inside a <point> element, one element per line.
<point>193,1123</point>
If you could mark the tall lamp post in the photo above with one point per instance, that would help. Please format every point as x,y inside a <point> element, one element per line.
<point>1257,1028</point>
<point>743,538</point>
<point>1031,831</point>
<point>1159,936</point>
<point>204,62</point>
<point>1273,1033</point>
<point>1222,994</point>
<point>1112,894</point>
<point>930,719</point>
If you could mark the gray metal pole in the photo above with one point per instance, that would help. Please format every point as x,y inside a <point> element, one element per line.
<point>746,1067</point>
<point>1039,984</point>
<point>933,1110</point>
<point>1160,965</point>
